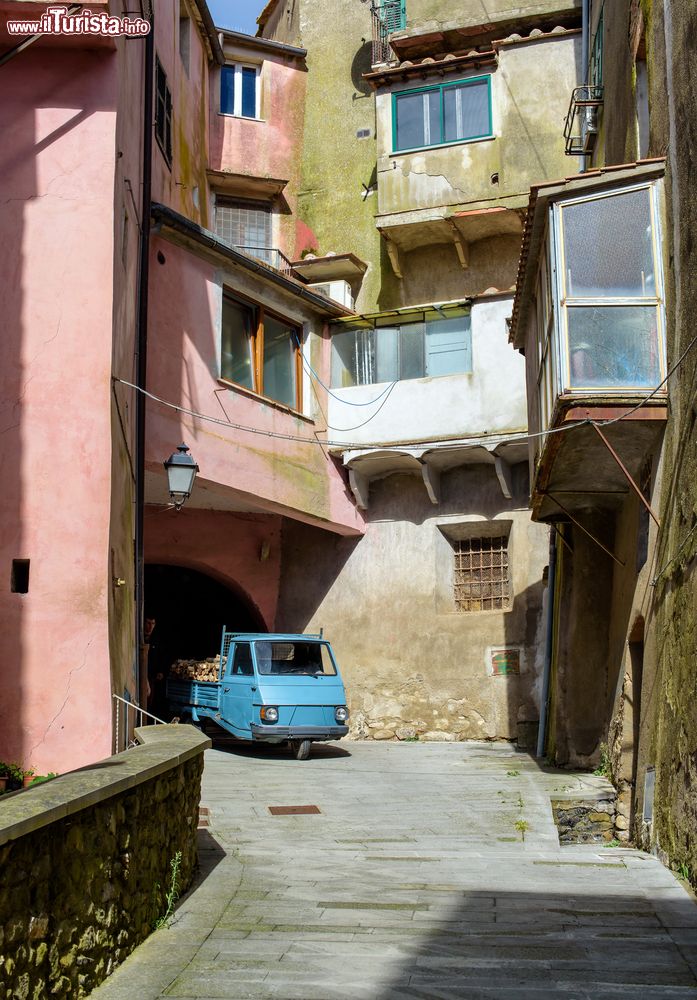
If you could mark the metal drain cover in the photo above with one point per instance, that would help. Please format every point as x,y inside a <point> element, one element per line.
<point>293,810</point>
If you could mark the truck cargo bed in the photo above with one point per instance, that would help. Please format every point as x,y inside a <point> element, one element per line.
<point>199,694</point>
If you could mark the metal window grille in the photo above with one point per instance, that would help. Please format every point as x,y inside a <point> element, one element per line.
<point>481,574</point>
<point>387,16</point>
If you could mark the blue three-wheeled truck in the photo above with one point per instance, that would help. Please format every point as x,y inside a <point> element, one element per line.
<point>270,689</point>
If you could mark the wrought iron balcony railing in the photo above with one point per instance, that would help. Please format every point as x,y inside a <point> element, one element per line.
<point>581,126</point>
<point>271,256</point>
<point>388,16</point>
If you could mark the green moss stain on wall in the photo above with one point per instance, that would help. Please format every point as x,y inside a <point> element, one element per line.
<point>335,163</point>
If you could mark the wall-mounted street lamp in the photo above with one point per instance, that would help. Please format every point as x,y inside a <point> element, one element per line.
<point>181,472</point>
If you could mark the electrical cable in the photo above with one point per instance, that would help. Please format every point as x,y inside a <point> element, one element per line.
<point>313,374</point>
<point>502,436</point>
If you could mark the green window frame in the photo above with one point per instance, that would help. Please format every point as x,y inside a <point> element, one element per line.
<point>444,105</point>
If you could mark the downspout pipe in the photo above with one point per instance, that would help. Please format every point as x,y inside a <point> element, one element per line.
<point>547,669</point>
<point>585,59</point>
<point>141,345</point>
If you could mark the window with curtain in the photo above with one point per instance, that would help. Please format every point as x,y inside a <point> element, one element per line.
<point>261,351</point>
<point>447,113</point>
<point>433,347</point>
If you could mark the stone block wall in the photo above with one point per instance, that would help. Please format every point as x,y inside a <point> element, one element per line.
<point>585,821</point>
<point>85,863</point>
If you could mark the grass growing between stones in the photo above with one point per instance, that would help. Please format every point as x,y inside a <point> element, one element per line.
<point>172,893</point>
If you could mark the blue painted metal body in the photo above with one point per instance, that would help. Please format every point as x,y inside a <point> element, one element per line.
<point>261,670</point>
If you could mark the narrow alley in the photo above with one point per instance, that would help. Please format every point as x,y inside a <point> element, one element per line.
<point>430,870</point>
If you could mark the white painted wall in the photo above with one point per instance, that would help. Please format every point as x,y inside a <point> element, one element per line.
<point>490,398</point>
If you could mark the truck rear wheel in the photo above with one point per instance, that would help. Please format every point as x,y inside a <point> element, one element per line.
<point>302,749</point>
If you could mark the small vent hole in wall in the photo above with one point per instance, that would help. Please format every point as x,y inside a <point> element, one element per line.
<point>19,581</point>
<point>363,133</point>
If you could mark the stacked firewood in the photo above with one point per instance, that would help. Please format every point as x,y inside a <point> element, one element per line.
<point>197,670</point>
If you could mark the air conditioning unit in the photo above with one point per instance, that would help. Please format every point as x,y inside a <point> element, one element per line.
<point>589,128</point>
<point>339,291</point>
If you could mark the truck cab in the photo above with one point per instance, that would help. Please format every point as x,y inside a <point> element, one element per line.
<point>271,688</point>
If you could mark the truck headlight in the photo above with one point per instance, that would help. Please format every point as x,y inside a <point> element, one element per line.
<point>269,714</point>
<point>341,714</point>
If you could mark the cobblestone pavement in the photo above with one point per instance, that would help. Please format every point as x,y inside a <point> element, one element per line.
<point>411,881</point>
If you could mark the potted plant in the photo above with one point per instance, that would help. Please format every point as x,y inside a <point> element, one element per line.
<point>28,777</point>
<point>4,775</point>
<point>15,777</point>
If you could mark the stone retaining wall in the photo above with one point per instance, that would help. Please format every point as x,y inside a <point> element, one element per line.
<point>85,863</point>
<point>585,821</point>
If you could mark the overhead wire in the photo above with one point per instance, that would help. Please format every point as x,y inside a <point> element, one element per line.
<point>502,436</point>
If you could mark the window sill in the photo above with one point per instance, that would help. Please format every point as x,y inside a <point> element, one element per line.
<point>250,394</point>
<point>243,118</point>
<point>443,145</point>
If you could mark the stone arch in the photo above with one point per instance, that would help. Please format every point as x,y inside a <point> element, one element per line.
<point>191,606</point>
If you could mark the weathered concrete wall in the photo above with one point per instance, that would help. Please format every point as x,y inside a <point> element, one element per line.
<point>335,213</point>
<point>426,15</point>
<point>447,406</point>
<point>412,664</point>
<point>527,141</point>
<point>85,863</point>
<point>671,31</point>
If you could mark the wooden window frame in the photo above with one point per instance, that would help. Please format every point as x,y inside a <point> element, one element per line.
<point>261,312</point>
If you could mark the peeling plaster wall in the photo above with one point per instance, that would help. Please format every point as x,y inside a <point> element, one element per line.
<point>530,91</point>
<point>412,664</point>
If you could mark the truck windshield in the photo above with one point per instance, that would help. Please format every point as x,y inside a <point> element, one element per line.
<point>311,658</point>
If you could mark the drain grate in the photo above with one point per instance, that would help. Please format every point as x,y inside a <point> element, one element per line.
<point>293,810</point>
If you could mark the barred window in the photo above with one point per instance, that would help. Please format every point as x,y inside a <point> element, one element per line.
<point>246,225</point>
<point>481,578</point>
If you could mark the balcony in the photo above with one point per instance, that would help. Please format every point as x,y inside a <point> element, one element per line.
<point>582,121</point>
<point>589,317</point>
<point>271,256</point>
<point>387,16</point>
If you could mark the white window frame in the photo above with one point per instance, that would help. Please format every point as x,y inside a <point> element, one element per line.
<point>237,103</point>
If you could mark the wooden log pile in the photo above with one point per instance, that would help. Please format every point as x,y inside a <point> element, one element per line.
<point>197,670</point>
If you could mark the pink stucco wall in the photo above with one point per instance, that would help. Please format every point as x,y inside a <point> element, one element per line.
<point>58,117</point>
<point>296,479</point>
<point>272,146</point>
<point>241,551</point>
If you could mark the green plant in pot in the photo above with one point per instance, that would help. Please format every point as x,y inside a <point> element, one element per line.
<point>15,777</point>
<point>28,777</point>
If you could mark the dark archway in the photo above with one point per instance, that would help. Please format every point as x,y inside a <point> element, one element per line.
<point>190,610</point>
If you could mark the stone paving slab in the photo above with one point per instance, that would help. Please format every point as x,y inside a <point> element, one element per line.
<point>411,882</point>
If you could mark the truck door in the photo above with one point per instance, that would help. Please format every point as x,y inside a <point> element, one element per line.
<point>238,686</point>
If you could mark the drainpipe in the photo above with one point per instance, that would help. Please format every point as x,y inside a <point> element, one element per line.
<point>547,669</point>
<point>141,339</point>
<point>585,40</point>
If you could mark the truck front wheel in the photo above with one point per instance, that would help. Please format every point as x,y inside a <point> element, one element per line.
<point>301,749</point>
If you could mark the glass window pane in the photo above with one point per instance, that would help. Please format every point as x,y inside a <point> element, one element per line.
<point>448,346</point>
<point>279,361</point>
<point>387,344</point>
<point>249,92</point>
<point>466,111</point>
<point>236,351</point>
<point>412,351</point>
<point>245,225</point>
<point>608,247</point>
<point>614,346</point>
<point>353,358</point>
<point>227,90</point>
<point>418,119</point>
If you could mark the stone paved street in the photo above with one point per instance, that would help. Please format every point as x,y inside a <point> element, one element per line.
<point>413,881</point>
